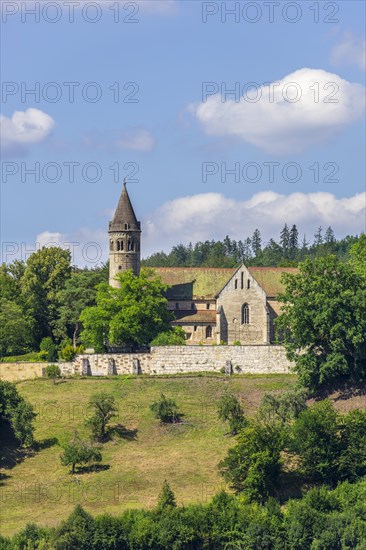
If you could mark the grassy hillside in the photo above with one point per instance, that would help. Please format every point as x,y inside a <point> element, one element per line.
<point>40,489</point>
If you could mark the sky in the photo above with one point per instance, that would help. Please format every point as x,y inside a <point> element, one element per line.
<point>222,117</point>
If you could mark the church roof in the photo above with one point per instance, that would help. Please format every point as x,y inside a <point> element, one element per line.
<point>204,283</point>
<point>124,213</point>
<point>269,278</point>
<point>194,316</point>
<point>194,283</point>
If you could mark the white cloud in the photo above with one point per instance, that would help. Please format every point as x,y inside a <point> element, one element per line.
<point>88,247</point>
<point>130,139</point>
<point>209,216</point>
<point>23,129</point>
<point>351,50</point>
<point>278,124</point>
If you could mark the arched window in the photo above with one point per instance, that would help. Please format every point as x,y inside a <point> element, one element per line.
<point>245,314</point>
<point>236,284</point>
<point>242,280</point>
<point>127,226</point>
<point>248,284</point>
<point>119,246</point>
<point>111,245</point>
<point>208,332</point>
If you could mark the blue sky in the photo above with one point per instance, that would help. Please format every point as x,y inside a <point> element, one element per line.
<point>181,144</point>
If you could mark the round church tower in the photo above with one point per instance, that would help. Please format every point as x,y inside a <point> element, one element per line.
<point>124,239</point>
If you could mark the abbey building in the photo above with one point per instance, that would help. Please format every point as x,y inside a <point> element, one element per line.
<point>212,305</point>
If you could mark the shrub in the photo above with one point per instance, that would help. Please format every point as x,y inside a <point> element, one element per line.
<point>237,343</point>
<point>165,410</point>
<point>230,410</point>
<point>68,353</point>
<point>166,498</point>
<point>173,337</point>
<point>53,371</point>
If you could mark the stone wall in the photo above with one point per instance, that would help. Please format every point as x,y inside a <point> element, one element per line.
<point>13,372</point>
<point>261,359</point>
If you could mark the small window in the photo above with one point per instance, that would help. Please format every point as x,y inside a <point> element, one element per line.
<point>177,305</point>
<point>119,268</point>
<point>192,306</point>
<point>248,284</point>
<point>242,280</point>
<point>236,284</point>
<point>195,328</point>
<point>245,314</point>
<point>208,332</point>
<point>119,246</point>
<point>207,306</point>
<point>127,226</point>
<point>111,245</point>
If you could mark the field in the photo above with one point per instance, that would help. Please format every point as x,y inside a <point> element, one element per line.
<point>135,463</point>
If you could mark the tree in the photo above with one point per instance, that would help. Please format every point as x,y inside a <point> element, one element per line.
<point>293,241</point>
<point>352,461</point>
<point>133,314</point>
<point>323,322</point>
<point>15,329</point>
<point>16,414</point>
<point>166,498</point>
<point>318,237</point>
<point>253,466</point>
<point>284,407</point>
<point>315,440</point>
<point>53,372</point>
<point>285,241</point>
<point>358,256</point>
<point>165,410</point>
<point>256,242</point>
<point>79,452</point>
<point>103,408</point>
<point>230,410</point>
<point>173,337</point>
<point>44,277</point>
<point>78,293</point>
<point>48,346</point>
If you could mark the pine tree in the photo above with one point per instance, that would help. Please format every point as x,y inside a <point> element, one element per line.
<point>256,242</point>
<point>166,498</point>
<point>285,241</point>
<point>294,241</point>
<point>329,236</point>
<point>318,237</point>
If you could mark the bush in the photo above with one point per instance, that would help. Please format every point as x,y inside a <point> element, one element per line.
<point>230,410</point>
<point>173,337</point>
<point>165,410</point>
<point>237,343</point>
<point>166,498</point>
<point>68,353</point>
<point>53,371</point>
<point>49,348</point>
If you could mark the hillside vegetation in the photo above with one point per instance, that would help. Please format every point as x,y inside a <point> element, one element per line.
<point>37,488</point>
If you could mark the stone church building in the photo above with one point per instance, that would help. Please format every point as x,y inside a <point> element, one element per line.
<point>212,305</point>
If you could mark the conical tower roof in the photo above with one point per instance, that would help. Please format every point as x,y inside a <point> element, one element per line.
<point>124,213</point>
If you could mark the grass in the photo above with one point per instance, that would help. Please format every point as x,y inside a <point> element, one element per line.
<point>39,489</point>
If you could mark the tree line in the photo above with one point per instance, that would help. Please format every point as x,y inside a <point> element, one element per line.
<point>288,250</point>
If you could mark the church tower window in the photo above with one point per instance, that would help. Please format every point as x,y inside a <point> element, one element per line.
<point>248,284</point>
<point>242,280</point>
<point>245,314</point>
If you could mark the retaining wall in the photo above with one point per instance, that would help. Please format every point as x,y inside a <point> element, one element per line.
<point>261,359</point>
